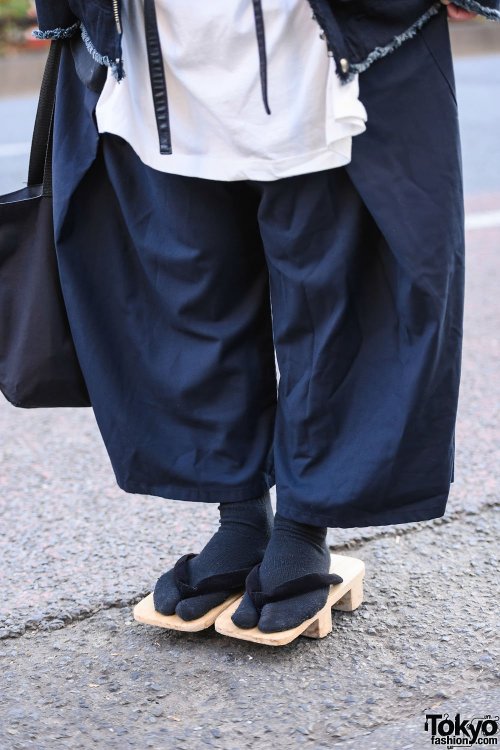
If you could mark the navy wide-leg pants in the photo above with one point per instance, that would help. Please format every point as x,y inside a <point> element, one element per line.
<point>180,291</point>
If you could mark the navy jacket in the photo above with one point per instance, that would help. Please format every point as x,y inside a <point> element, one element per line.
<point>357,32</point>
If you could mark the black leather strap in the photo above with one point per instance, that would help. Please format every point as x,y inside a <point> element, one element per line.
<point>232,581</point>
<point>157,76</point>
<point>261,42</point>
<point>308,582</point>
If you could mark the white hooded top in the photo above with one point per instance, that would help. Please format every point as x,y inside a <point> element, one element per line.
<point>220,129</point>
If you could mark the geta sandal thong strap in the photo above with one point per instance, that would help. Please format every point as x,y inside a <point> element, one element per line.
<point>287,589</point>
<point>231,581</point>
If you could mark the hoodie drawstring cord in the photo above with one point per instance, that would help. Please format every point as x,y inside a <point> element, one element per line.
<point>157,72</point>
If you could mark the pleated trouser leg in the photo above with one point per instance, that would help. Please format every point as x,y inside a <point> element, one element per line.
<point>168,292</point>
<point>367,287</point>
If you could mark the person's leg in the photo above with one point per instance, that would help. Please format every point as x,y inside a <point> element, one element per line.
<point>316,233</point>
<point>367,275</point>
<point>167,292</point>
<point>240,542</point>
<point>294,550</point>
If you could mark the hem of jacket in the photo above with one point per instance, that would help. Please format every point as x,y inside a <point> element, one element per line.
<point>57,33</point>
<point>396,41</point>
<point>476,7</point>
<point>115,65</point>
<point>68,31</point>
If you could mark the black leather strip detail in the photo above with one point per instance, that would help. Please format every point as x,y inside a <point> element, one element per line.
<point>231,581</point>
<point>157,76</point>
<point>261,42</point>
<point>287,589</point>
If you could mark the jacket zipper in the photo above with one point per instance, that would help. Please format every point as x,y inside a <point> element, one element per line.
<point>116,13</point>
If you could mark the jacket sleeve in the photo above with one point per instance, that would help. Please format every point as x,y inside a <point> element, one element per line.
<point>56,20</point>
<point>487,8</point>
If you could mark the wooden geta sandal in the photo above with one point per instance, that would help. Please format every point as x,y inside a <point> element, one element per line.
<point>233,581</point>
<point>346,594</point>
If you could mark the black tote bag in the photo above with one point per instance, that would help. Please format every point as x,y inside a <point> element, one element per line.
<point>38,361</point>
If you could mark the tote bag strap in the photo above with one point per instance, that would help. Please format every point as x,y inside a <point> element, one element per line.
<point>40,166</point>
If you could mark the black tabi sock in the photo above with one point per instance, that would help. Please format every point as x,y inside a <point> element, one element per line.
<point>295,549</point>
<point>244,530</point>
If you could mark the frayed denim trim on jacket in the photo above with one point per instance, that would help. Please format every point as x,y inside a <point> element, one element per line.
<point>116,67</point>
<point>396,42</point>
<point>59,33</point>
<point>475,7</point>
<point>63,33</point>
